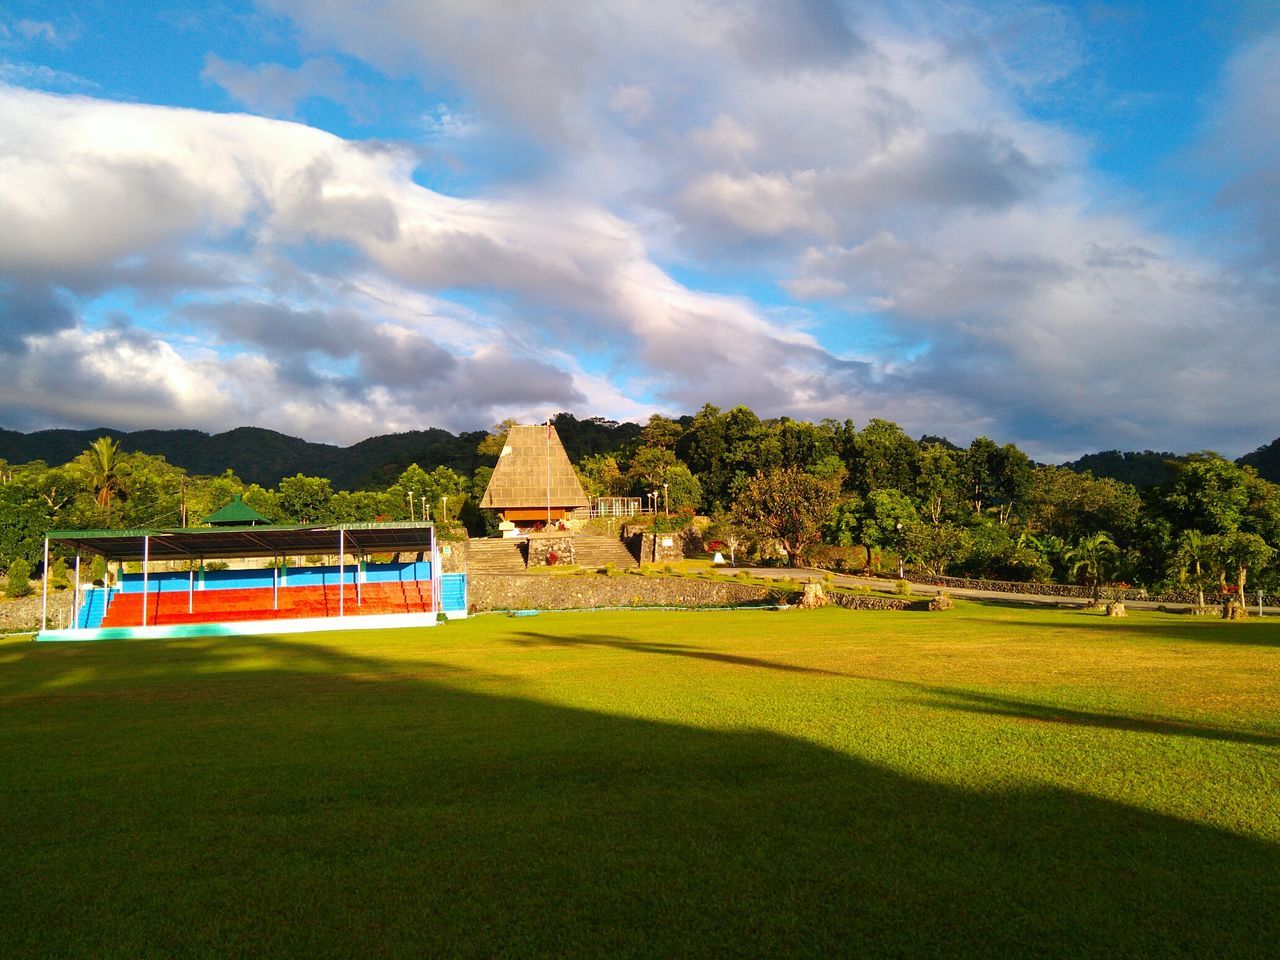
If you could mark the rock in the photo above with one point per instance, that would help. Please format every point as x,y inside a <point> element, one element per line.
<point>1233,609</point>
<point>941,601</point>
<point>1116,609</point>
<point>814,596</point>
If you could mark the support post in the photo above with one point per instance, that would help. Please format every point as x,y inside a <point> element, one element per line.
<point>75,596</point>
<point>342,576</point>
<point>44,595</point>
<point>146,561</point>
<point>191,590</point>
<point>275,585</point>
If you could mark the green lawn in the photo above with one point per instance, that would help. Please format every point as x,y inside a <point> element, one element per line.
<point>995,781</point>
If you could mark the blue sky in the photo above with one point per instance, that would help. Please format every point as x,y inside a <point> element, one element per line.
<point>1052,223</point>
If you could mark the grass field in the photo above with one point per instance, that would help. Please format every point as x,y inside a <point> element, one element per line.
<point>996,781</point>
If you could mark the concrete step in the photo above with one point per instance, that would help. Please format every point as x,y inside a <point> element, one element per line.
<point>591,551</point>
<point>494,556</point>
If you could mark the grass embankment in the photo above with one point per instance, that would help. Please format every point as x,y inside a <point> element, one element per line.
<point>994,781</point>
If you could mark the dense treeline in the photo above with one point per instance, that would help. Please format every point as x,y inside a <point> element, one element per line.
<point>845,494</point>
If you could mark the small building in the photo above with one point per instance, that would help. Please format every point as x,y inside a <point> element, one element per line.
<point>533,485</point>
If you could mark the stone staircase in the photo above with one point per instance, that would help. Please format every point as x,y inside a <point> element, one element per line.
<point>506,556</point>
<point>495,556</point>
<point>595,552</point>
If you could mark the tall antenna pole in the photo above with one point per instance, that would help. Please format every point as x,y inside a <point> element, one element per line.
<point>548,472</point>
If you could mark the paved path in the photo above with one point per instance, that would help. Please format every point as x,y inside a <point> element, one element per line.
<point>929,589</point>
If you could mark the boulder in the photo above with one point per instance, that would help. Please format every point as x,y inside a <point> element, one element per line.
<point>941,601</point>
<point>814,596</point>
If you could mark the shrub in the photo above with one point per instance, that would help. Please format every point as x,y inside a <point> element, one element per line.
<point>58,575</point>
<point>98,569</point>
<point>552,558</point>
<point>18,583</point>
<point>902,588</point>
<point>217,565</point>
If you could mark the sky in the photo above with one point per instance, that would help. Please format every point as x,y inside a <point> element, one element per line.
<point>1055,224</point>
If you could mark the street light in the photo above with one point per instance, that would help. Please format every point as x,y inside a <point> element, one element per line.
<point>410,506</point>
<point>444,510</point>
<point>426,512</point>
<point>666,500</point>
<point>901,573</point>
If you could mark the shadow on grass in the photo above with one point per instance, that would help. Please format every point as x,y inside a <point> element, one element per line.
<point>529,638</point>
<point>327,804</point>
<point>1264,632</point>
<point>970,701</point>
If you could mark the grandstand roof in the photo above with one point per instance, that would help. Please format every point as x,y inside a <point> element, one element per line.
<point>197,543</point>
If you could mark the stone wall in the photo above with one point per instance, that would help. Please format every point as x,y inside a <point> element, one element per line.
<point>542,545</point>
<point>857,601</point>
<point>23,614</point>
<point>522,592</point>
<point>1211,597</point>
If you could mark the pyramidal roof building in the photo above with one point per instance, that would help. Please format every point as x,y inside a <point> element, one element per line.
<point>533,482</point>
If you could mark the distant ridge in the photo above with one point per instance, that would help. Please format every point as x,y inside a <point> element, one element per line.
<point>264,456</point>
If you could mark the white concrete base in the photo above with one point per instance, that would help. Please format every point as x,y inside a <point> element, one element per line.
<point>249,628</point>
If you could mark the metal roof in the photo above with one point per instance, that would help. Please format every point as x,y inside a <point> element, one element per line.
<point>194,543</point>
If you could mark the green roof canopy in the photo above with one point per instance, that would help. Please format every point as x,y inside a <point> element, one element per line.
<point>195,543</point>
<point>237,513</point>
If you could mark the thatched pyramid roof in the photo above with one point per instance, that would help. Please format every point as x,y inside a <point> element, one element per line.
<point>520,478</point>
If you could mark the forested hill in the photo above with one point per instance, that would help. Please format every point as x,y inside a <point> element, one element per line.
<point>264,456</point>
<point>1151,469</point>
<point>1145,469</point>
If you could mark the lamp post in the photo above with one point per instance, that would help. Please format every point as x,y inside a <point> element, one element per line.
<point>666,500</point>
<point>444,509</point>
<point>410,506</point>
<point>426,513</point>
<point>901,573</point>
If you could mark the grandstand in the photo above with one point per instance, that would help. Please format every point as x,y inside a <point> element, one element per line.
<point>278,596</point>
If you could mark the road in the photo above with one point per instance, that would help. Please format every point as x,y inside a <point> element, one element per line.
<point>928,590</point>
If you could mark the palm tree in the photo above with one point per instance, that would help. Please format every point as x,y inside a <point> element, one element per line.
<point>1093,558</point>
<point>1190,558</point>
<point>101,469</point>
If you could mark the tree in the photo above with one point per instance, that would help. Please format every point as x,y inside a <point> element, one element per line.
<point>883,456</point>
<point>18,579</point>
<point>938,484</point>
<point>648,469</point>
<point>725,526</point>
<point>1207,493</point>
<point>883,521</point>
<point>680,489</point>
<point>601,476</point>
<point>788,505</point>
<point>1071,505</point>
<point>1235,554</point>
<point>1191,562</point>
<point>1092,559</point>
<point>101,469</point>
<point>491,445</point>
<point>935,546</point>
<point>305,499</point>
<point>662,432</point>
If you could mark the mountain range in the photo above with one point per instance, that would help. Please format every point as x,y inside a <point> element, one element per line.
<point>264,456</point>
